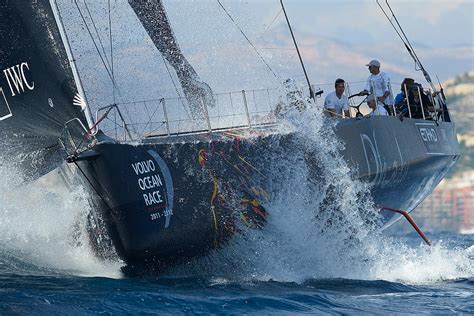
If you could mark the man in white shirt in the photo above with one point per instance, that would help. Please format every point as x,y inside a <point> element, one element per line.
<point>377,109</point>
<point>378,83</point>
<point>336,102</point>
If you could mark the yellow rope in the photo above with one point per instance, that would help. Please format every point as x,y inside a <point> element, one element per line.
<point>214,194</point>
<point>248,164</point>
<point>232,134</point>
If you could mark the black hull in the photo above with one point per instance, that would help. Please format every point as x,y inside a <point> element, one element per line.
<point>402,160</point>
<point>175,198</point>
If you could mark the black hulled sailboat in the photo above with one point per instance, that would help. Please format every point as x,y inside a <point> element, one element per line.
<point>171,196</point>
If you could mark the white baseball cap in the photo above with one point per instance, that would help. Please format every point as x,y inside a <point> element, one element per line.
<point>374,62</point>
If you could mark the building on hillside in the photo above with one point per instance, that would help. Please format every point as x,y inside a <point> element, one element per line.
<point>451,205</point>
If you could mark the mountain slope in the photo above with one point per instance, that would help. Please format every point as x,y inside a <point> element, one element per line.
<point>460,96</point>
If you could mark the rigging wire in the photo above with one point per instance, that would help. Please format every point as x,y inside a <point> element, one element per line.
<point>311,92</point>
<point>425,73</point>
<point>111,75</point>
<point>411,50</point>
<point>97,32</point>
<point>404,35</point>
<point>406,42</point>
<point>111,47</point>
<point>271,23</point>
<point>248,40</point>
<point>180,98</point>
<point>277,48</point>
<point>150,118</point>
<point>398,33</point>
<point>95,44</point>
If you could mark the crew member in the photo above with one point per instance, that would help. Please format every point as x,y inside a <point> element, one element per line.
<point>336,102</point>
<point>377,107</point>
<point>378,83</point>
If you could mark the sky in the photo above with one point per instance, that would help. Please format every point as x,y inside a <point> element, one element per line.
<point>336,38</point>
<point>432,22</point>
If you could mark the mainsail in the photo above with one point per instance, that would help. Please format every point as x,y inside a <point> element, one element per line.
<point>152,15</point>
<point>38,93</point>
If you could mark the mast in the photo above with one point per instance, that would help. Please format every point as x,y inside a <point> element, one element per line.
<point>72,63</point>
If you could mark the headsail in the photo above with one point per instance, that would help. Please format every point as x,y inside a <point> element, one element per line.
<point>37,87</point>
<point>152,15</point>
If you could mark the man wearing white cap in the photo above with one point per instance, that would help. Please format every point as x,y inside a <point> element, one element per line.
<point>378,83</point>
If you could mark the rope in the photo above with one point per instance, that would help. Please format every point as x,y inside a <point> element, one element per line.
<point>111,47</point>
<point>214,195</point>
<point>92,128</point>
<point>248,40</point>
<point>97,32</point>
<point>95,44</point>
<point>151,117</point>
<point>407,43</point>
<point>175,87</point>
<point>268,27</point>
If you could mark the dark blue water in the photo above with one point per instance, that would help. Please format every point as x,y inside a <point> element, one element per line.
<point>437,280</point>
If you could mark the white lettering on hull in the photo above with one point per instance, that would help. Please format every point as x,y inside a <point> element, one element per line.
<point>156,185</point>
<point>143,167</point>
<point>428,134</point>
<point>152,198</point>
<point>150,182</point>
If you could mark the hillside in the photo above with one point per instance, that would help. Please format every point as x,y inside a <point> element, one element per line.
<point>460,96</point>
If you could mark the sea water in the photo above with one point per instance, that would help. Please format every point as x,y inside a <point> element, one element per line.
<point>303,261</point>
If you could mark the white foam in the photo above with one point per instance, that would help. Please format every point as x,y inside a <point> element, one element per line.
<point>42,224</point>
<point>395,261</point>
<point>304,239</point>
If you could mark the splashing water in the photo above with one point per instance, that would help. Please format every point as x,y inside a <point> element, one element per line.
<point>42,227</point>
<point>395,261</point>
<point>319,215</point>
<point>323,224</point>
